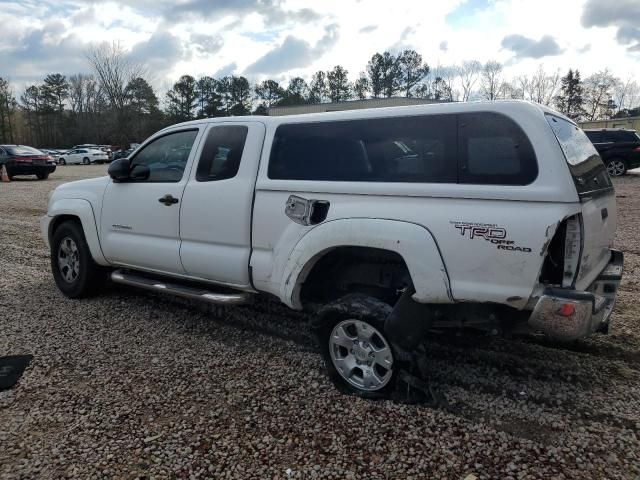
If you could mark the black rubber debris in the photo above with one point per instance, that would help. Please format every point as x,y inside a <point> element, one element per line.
<point>11,369</point>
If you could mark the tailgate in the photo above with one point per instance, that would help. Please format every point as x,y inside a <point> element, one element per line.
<point>599,228</point>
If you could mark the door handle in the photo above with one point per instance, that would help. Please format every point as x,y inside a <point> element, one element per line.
<point>168,200</point>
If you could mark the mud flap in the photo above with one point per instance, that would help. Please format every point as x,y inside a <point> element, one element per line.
<point>406,327</point>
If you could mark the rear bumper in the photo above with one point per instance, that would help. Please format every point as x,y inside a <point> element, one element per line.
<point>569,314</point>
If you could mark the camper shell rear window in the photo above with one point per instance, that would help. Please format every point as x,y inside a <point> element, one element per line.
<point>589,173</point>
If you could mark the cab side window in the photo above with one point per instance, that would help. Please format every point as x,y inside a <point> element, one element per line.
<point>166,156</point>
<point>222,152</point>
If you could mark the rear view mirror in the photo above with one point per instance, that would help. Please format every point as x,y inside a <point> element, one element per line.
<point>119,170</point>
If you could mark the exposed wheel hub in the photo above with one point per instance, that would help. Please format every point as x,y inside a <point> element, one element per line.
<point>361,352</point>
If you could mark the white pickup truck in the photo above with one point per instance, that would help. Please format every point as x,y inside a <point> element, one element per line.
<point>396,222</point>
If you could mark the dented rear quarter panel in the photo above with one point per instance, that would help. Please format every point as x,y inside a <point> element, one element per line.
<point>491,239</point>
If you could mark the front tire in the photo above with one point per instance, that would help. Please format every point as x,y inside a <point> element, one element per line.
<point>359,358</point>
<point>616,167</point>
<point>86,161</point>
<point>42,176</point>
<point>75,272</point>
<point>62,161</point>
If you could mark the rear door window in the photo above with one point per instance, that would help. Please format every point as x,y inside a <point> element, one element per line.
<point>222,152</point>
<point>585,164</point>
<point>493,149</point>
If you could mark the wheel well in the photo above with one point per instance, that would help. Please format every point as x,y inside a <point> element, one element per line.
<point>57,221</point>
<point>382,274</point>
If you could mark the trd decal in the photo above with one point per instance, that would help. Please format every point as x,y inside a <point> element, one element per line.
<point>489,232</point>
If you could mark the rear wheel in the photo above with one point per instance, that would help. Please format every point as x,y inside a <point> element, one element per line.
<point>42,176</point>
<point>358,356</point>
<point>616,167</point>
<point>75,272</point>
<point>62,161</point>
<point>86,161</point>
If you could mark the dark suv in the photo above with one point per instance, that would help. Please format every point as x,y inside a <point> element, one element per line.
<point>619,149</point>
<point>23,160</point>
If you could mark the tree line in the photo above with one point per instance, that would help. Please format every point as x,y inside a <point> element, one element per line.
<point>115,103</point>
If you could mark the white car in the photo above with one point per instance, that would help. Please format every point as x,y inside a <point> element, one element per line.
<point>396,222</point>
<point>83,156</point>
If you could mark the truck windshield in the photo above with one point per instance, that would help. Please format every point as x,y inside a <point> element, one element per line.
<point>589,173</point>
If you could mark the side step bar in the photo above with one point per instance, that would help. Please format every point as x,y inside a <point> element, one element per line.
<point>133,280</point>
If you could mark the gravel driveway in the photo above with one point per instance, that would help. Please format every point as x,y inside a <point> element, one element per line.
<point>132,385</point>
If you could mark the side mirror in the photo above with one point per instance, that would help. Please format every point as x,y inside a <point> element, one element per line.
<point>119,170</point>
<point>138,172</point>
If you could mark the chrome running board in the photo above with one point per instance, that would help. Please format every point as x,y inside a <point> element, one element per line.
<point>180,290</point>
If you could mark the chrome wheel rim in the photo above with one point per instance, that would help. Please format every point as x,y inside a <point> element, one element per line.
<point>68,260</point>
<point>361,355</point>
<point>615,168</point>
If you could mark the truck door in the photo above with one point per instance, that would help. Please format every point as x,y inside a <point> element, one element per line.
<point>215,219</point>
<point>140,220</point>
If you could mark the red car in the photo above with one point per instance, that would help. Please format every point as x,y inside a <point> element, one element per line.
<point>23,160</point>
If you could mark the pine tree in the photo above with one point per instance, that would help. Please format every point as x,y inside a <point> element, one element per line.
<point>269,92</point>
<point>338,84</point>
<point>181,99</point>
<point>318,88</point>
<point>570,100</point>
<point>209,98</point>
<point>297,93</point>
<point>361,87</point>
<point>412,70</point>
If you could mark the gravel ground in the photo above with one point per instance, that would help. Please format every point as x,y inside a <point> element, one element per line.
<point>132,385</point>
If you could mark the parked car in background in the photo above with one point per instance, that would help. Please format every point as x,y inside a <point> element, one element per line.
<point>83,156</point>
<point>122,153</point>
<point>104,148</point>
<point>108,150</point>
<point>23,160</point>
<point>55,154</point>
<point>619,149</point>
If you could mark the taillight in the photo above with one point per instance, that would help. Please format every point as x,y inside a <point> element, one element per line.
<point>566,310</point>
<point>572,250</point>
<point>637,149</point>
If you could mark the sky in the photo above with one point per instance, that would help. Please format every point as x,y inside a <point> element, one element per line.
<point>280,39</point>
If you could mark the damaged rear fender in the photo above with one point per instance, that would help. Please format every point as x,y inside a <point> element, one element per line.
<point>412,242</point>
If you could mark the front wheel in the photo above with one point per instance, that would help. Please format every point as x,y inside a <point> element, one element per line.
<point>616,167</point>
<point>358,356</point>
<point>86,161</point>
<point>62,161</point>
<point>42,176</point>
<point>75,272</point>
